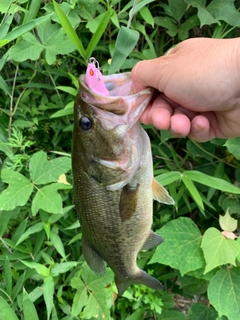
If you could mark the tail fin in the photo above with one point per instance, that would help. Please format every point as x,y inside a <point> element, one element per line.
<point>142,278</point>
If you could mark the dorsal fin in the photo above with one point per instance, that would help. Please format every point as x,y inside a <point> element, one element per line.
<point>160,193</point>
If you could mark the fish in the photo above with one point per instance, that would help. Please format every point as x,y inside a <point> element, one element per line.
<point>113,180</point>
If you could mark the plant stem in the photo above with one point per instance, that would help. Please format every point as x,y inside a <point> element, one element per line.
<point>131,13</point>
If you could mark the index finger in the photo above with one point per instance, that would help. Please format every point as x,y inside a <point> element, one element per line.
<point>149,73</point>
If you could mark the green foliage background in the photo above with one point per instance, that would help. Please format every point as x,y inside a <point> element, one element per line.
<point>44,47</point>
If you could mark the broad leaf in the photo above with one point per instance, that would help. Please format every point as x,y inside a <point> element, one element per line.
<point>204,16</point>
<point>18,191</point>
<point>80,297</point>
<point>181,246</point>
<point>87,8</point>
<point>223,10</point>
<point>52,40</point>
<point>177,8</point>
<point>48,199</point>
<point>92,294</point>
<point>199,311</point>
<point>228,223</point>
<point>43,171</point>
<point>218,250</point>
<point>224,292</point>
<point>171,315</point>
<point>233,147</point>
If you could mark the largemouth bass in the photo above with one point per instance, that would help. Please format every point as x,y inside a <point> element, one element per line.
<point>113,180</point>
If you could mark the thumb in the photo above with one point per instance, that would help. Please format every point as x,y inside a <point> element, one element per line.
<point>150,73</point>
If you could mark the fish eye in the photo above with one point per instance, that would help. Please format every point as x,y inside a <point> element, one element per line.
<point>85,123</point>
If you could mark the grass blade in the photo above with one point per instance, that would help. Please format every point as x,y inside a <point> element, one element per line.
<point>193,191</point>
<point>29,310</point>
<point>126,41</point>
<point>98,34</point>
<point>212,182</point>
<point>6,311</point>
<point>70,32</point>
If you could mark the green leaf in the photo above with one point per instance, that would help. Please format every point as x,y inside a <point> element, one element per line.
<point>80,297</point>
<point>29,310</point>
<point>192,190</point>
<point>224,292</point>
<point>28,48</point>
<point>172,315</point>
<point>8,276</point>
<point>40,269</point>
<point>199,311</point>
<point>233,146</point>
<point>62,267</point>
<point>227,223</point>
<point>4,219</point>
<point>167,23</point>
<point>32,230</point>
<point>24,28</point>
<point>4,86</point>
<point>98,33</point>
<point>177,8</point>
<point>67,27</point>
<point>52,40</point>
<point>212,182</point>
<point>18,191</point>
<point>57,243</point>
<point>204,16</point>
<point>169,177</point>
<point>218,250</point>
<point>87,8</point>
<point>136,315</point>
<point>43,171</point>
<point>17,288</point>
<point>48,292</point>
<point>6,149</point>
<point>181,247</point>
<point>6,311</point>
<point>99,300</point>
<point>48,199</point>
<point>147,16</point>
<point>225,11</point>
<point>7,6</point>
<point>125,43</point>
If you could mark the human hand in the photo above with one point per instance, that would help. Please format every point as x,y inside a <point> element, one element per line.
<point>197,89</point>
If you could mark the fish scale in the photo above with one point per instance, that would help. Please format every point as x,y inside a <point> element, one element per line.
<point>113,180</point>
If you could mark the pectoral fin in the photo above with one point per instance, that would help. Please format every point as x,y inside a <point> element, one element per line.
<point>160,193</point>
<point>152,241</point>
<point>128,201</point>
<point>93,259</point>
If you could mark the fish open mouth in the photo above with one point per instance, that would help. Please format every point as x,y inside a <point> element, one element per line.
<point>121,99</point>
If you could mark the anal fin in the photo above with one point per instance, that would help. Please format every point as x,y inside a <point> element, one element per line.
<point>152,241</point>
<point>93,259</point>
<point>160,193</point>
